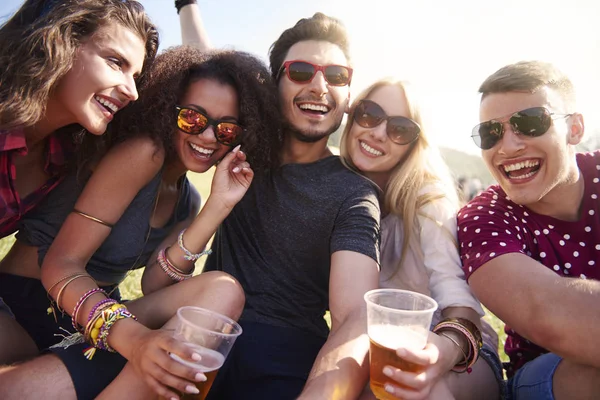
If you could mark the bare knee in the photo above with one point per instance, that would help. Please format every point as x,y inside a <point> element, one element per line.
<point>224,293</point>
<point>575,381</point>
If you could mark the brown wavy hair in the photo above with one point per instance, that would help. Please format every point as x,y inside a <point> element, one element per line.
<point>38,46</point>
<point>169,78</point>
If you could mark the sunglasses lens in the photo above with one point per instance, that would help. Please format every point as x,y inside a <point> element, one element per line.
<point>368,114</point>
<point>487,134</point>
<point>228,133</point>
<point>191,121</point>
<point>532,122</point>
<point>337,75</point>
<point>402,130</point>
<point>301,71</point>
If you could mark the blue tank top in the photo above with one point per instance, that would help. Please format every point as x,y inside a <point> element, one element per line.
<point>131,241</point>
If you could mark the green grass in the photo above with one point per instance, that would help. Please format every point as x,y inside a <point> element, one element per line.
<point>130,288</point>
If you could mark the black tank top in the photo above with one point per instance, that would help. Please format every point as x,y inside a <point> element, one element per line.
<point>131,240</point>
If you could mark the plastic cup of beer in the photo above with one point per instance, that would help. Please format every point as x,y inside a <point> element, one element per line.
<point>211,335</point>
<point>395,318</point>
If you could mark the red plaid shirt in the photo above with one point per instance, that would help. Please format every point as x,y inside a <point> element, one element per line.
<point>12,206</point>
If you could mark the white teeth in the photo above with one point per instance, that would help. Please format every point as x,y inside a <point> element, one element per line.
<point>527,175</point>
<point>202,150</point>
<point>521,165</point>
<point>111,106</point>
<point>370,150</point>
<point>314,107</point>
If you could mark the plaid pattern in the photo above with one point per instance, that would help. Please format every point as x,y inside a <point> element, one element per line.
<point>12,207</point>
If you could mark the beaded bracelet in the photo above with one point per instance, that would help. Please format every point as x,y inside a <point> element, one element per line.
<point>100,305</point>
<point>169,269</point>
<point>174,268</point>
<point>114,315</point>
<point>79,303</point>
<point>100,329</point>
<point>188,255</point>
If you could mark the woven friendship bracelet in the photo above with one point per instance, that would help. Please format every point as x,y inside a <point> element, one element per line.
<point>188,254</point>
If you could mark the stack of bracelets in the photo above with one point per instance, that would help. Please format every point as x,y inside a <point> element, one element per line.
<point>101,318</point>
<point>473,338</point>
<point>171,270</point>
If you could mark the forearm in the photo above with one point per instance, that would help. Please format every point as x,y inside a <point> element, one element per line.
<point>341,369</point>
<point>193,32</point>
<point>568,321</point>
<point>195,239</point>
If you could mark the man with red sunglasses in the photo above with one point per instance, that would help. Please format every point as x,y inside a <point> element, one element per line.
<point>304,239</point>
<point>530,245</point>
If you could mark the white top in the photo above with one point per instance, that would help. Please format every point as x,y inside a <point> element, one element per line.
<point>431,264</point>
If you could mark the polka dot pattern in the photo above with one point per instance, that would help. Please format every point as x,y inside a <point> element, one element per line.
<point>569,248</point>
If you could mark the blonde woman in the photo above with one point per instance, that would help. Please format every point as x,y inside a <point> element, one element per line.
<point>385,141</point>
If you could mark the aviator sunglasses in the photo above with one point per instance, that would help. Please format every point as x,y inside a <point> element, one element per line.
<point>400,130</point>
<point>532,122</point>
<point>194,122</point>
<point>304,72</point>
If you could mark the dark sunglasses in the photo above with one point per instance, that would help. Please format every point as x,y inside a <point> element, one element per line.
<point>400,130</point>
<point>194,122</point>
<point>304,72</point>
<point>532,122</point>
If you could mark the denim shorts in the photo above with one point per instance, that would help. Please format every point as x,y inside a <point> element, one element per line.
<point>533,381</point>
<point>490,356</point>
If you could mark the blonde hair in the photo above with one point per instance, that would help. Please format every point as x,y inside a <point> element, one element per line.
<point>421,166</point>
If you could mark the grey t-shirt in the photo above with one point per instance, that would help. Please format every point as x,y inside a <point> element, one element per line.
<point>279,239</point>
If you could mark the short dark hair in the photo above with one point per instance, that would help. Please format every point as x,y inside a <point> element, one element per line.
<point>169,79</point>
<point>317,27</point>
<point>529,76</point>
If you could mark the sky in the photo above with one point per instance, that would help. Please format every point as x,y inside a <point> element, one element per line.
<point>445,48</point>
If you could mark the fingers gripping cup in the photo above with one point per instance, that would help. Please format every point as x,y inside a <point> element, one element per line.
<point>211,335</point>
<point>395,318</point>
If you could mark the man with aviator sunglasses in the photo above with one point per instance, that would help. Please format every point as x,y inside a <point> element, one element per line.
<point>530,244</point>
<point>304,239</point>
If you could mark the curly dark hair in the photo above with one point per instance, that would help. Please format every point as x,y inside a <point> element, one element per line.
<point>167,81</point>
<point>39,43</point>
<point>317,27</point>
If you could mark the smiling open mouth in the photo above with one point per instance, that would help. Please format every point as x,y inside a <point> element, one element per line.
<point>370,150</point>
<point>316,109</point>
<point>109,106</point>
<point>201,151</point>
<point>521,170</point>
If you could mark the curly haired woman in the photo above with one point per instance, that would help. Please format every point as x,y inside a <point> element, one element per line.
<point>135,207</point>
<point>67,67</point>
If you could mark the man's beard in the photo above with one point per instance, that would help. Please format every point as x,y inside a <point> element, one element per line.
<point>311,136</point>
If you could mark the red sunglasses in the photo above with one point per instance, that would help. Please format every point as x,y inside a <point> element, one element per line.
<point>303,72</point>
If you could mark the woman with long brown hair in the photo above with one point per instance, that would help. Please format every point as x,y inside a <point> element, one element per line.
<point>67,68</point>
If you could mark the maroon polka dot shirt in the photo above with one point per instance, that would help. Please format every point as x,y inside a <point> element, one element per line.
<point>492,225</point>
